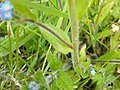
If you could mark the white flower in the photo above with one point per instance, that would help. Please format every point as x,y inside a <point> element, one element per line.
<point>115,28</point>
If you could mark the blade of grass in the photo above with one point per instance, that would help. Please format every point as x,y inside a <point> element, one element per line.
<point>22,60</point>
<point>43,67</point>
<point>10,47</point>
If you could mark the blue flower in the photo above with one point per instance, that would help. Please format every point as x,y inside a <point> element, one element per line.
<point>6,6</point>
<point>6,15</point>
<point>92,71</point>
<point>6,11</point>
<point>33,86</point>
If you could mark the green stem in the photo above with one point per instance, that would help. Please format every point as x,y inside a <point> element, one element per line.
<point>43,67</point>
<point>72,4</point>
<point>10,47</point>
<point>17,46</point>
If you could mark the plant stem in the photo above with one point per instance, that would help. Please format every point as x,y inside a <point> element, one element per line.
<point>17,46</point>
<point>10,47</point>
<point>72,4</point>
<point>43,67</point>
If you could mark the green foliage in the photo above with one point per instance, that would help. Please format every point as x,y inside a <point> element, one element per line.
<point>24,88</point>
<point>56,42</point>
<point>82,8</point>
<point>38,77</point>
<point>5,50</point>
<point>103,34</point>
<point>54,63</point>
<point>116,84</point>
<point>114,41</point>
<point>21,6</point>
<point>103,12</point>
<point>40,44</point>
<point>113,54</point>
<point>63,81</point>
<point>83,54</point>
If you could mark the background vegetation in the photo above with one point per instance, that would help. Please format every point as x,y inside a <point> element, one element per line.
<point>61,45</point>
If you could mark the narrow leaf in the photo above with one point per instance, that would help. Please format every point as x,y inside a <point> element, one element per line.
<point>58,38</point>
<point>103,12</point>
<point>114,54</point>
<point>3,51</point>
<point>103,34</point>
<point>46,9</point>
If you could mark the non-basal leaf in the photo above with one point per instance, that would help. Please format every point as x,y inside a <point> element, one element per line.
<point>113,54</point>
<point>21,6</point>
<point>54,63</point>
<point>46,9</point>
<point>114,41</point>
<point>83,54</point>
<point>103,34</point>
<point>103,12</point>
<point>59,39</point>
<point>82,8</point>
<point>24,6</point>
<point>64,82</point>
<point>38,77</point>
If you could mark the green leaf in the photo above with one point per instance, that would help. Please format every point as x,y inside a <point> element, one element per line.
<point>114,40</point>
<point>54,63</point>
<point>46,9</point>
<point>103,12</point>
<point>25,87</point>
<point>38,77</point>
<point>21,6</point>
<point>103,34</point>
<point>54,86</point>
<point>114,54</point>
<point>3,51</point>
<point>116,84</point>
<point>56,42</point>
<point>82,71</point>
<point>82,54</point>
<point>82,8</point>
<point>110,68</point>
<point>100,81</point>
<point>63,81</point>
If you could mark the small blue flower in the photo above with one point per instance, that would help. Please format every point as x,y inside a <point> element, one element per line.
<point>6,15</point>
<point>6,6</point>
<point>33,86</point>
<point>6,11</point>
<point>92,71</point>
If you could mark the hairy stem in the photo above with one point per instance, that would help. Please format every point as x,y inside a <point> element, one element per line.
<point>72,4</point>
